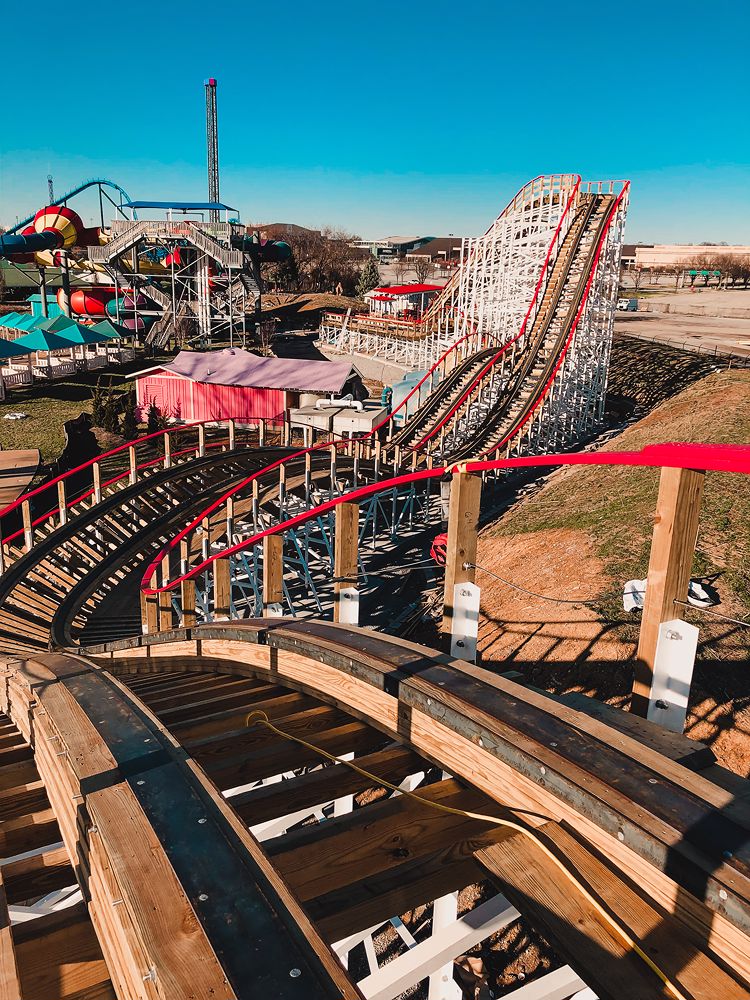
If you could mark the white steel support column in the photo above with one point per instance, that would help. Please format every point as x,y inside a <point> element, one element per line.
<point>442,985</point>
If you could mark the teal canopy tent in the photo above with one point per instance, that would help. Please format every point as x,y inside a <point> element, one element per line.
<point>56,324</point>
<point>8,319</point>
<point>19,321</point>
<point>44,340</point>
<point>107,330</point>
<point>11,349</point>
<point>27,322</point>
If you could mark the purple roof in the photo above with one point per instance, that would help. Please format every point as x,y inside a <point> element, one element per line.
<point>234,366</point>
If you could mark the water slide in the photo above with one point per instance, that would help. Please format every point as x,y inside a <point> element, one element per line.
<point>55,227</point>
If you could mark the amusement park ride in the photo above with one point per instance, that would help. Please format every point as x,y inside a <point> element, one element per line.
<point>153,278</point>
<point>185,734</point>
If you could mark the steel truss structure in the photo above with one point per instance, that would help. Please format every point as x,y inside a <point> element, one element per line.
<point>175,265</point>
<point>387,522</point>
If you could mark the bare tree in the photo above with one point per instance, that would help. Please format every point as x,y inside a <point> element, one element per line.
<point>323,260</point>
<point>422,268</point>
<point>637,273</point>
<point>733,268</point>
<point>399,270</point>
<point>704,264</point>
<point>742,270</point>
<point>654,273</point>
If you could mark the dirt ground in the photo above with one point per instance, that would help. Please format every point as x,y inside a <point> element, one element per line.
<point>569,647</point>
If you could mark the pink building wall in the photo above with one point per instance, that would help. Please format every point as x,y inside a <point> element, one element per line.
<point>185,400</point>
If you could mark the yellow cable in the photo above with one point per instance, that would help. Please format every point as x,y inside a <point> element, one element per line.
<point>620,931</point>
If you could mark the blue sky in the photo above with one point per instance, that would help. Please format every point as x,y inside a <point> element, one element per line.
<point>387,117</point>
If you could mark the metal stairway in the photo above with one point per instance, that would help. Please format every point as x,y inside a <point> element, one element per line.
<point>118,245</point>
<point>221,254</point>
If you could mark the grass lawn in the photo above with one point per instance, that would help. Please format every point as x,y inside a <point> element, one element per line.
<point>43,429</point>
<point>49,406</point>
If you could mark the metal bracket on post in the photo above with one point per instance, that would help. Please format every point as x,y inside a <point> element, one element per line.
<point>273,610</point>
<point>465,621</point>
<point>348,606</point>
<point>673,674</point>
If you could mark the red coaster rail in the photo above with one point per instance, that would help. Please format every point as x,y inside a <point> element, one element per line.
<point>705,457</point>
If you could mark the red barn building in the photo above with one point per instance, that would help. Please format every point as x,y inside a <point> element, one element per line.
<point>219,385</point>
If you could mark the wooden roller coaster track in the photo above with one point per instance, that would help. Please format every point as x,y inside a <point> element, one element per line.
<point>230,810</point>
<point>138,757</point>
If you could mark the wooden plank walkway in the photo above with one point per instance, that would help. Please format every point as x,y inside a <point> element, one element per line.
<point>17,469</point>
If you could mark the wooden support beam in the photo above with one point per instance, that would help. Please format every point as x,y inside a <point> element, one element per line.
<point>242,741</point>
<point>18,772</point>
<point>307,790</point>
<point>279,756</point>
<point>396,889</point>
<point>97,474</point>
<point>28,832</point>
<point>182,703</point>
<point>185,692</point>
<point>150,610</point>
<point>44,872</point>
<point>165,599</point>
<point>29,797</point>
<point>167,447</point>
<point>62,502</point>
<point>232,433</point>
<point>10,982</point>
<point>132,463</point>
<point>187,599</point>
<point>201,440</point>
<point>59,956</point>
<point>463,517</point>
<point>347,848</point>
<point>345,565</point>
<point>537,887</point>
<point>28,531</point>
<point>219,722</point>
<point>672,552</point>
<point>222,588</point>
<point>229,519</point>
<point>273,570</point>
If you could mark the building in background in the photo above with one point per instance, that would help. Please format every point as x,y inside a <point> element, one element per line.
<point>443,252</point>
<point>669,254</point>
<point>391,247</point>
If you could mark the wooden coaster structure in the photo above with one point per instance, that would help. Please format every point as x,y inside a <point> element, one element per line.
<point>128,745</point>
<point>158,843</point>
<point>136,755</point>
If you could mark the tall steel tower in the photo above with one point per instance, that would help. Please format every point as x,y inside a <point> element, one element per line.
<point>50,190</point>
<point>212,146</point>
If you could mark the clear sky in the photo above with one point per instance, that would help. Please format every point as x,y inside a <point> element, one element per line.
<point>386,117</point>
